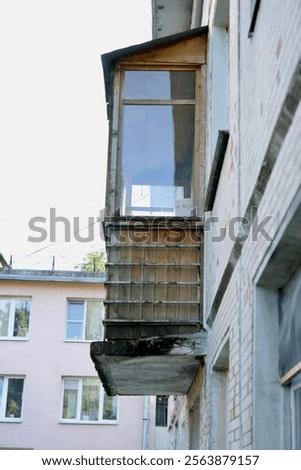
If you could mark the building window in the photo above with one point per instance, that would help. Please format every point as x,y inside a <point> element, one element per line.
<point>290,328</point>
<point>161,410</point>
<point>290,349</point>
<point>84,320</point>
<point>14,318</point>
<point>84,400</point>
<point>11,398</point>
<point>158,142</point>
<point>277,333</point>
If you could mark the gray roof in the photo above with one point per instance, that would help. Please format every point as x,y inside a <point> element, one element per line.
<point>52,276</point>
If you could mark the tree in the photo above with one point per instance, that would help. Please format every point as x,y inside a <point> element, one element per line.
<point>93,261</point>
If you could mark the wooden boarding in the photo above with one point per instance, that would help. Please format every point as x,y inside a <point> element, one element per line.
<point>191,51</point>
<point>151,280</point>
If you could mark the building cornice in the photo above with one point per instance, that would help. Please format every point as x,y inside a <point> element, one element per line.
<point>52,276</point>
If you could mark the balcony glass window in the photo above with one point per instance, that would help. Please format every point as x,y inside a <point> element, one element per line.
<point>157,146</point>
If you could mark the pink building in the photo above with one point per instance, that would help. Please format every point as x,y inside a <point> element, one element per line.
<point>50,395</point>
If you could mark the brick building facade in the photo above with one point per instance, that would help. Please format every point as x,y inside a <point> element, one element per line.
<point>246,391</point>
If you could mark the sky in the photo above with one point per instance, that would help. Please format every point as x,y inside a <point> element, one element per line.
<point>53,126</point>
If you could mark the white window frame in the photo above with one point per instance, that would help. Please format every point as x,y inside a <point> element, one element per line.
<point>3,401</point>
<point>11,318</point>
<point>78,419</point>
<point>85,302</point>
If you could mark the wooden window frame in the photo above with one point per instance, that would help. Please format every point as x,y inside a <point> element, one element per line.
<point>114,179</point>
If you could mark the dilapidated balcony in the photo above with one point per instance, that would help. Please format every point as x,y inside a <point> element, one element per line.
<point>153,277</point>
<point>151,366</point>
<point>153,325</point>
<point>153,337</point>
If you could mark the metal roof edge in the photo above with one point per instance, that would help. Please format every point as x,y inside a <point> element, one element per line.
<point>52,276</point>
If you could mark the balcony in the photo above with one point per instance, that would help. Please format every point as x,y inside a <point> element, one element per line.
<point>151,366</point>
<point>154,341</point>
<point>153,277</point>
<point>153,325</point>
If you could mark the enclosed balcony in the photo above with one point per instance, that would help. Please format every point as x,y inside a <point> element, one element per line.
<point>153,228</point>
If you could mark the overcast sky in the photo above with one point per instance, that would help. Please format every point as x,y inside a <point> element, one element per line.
<point>53,143</point>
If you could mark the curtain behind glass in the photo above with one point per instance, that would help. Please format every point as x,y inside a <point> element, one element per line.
<point>90,399</point>
<point>14,398</point>
<point>4,316</point>
<point>109,407</point>
<point>94,320</point>
<point>22,313</point>
<point>70,399</point>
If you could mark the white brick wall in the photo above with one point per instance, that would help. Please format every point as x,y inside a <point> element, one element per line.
<point>260,71</point>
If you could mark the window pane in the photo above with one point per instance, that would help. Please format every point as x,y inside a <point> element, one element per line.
<point>161,411</point>
<point>4,316</point>
<point>75,320</point>
<point>90,400</point>
<point>157,156</point>
<point>74,330</point>
<point>14,398</point>
<point>76,311</point>
<point>70,399</point>
<point>109,407</point>
<point>290,324</point>
<point>164,85</point>
<point>182,85</point>
<point>93,320</point>
<point>21,323</point>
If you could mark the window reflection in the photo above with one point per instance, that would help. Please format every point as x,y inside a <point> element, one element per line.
<point>157,156</point>
<point>157,148</point>
<point>160,85</point>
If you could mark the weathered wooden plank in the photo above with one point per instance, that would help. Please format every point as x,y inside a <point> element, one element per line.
<point>191,51</point>
<point>153,280</point>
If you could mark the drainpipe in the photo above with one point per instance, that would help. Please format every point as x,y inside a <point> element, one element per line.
<point>145,428</point>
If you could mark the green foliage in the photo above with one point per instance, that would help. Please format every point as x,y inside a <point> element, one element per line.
<point>95,261</point>
<point>22,313</point>
<point>13,408</point>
